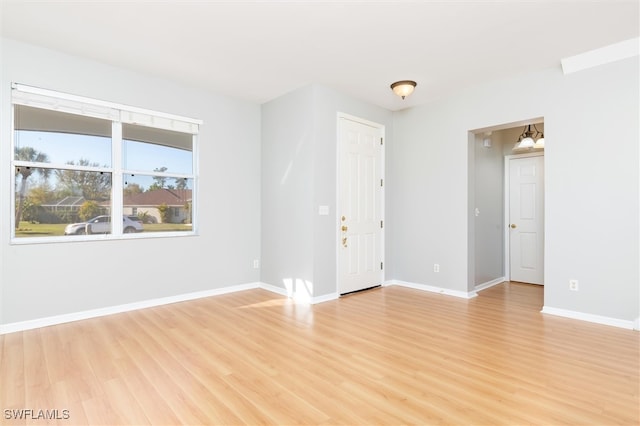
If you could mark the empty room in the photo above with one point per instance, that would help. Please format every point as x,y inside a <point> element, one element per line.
<point>328,212</point>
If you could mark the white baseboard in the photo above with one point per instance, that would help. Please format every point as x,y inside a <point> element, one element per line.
<point>274,289</point>
<point>94,313</point>
<point>298,298</point>
<point>488,284</point>
<point>100,312</point>
<point>615,322</point>
<point>433,289</point>
<point>325,298</point>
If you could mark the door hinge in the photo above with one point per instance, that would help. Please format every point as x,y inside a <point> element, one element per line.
<point>381,182</point>
<point>381,266</point>
<point>381,141</point>
<point>382,224</point>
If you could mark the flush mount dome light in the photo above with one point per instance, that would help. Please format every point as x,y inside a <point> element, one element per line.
<point>403,88</point>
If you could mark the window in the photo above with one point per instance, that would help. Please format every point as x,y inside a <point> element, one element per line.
<point>78,162</point>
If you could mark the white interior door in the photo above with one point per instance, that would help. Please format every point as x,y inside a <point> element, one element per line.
<point>360,189</point>
<point>526,219</point>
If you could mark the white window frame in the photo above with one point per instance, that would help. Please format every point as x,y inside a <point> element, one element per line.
<point>117,114</point>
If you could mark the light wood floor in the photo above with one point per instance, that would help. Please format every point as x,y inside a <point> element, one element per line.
<point>388,356</point>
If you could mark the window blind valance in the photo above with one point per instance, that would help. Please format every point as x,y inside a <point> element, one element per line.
<point>57,101</point>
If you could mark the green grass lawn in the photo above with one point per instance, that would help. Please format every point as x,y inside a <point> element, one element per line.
<point>28,229</point>
<point>166,227</point>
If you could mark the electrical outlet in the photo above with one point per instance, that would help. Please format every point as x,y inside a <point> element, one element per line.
<point>256,263</point>
<point>573,285</point>
<point>436,267</point>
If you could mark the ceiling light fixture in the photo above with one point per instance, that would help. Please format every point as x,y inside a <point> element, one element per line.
<point>529,139</point>
<point>403,88</point>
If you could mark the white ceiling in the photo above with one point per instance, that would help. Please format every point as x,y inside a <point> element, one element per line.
<point>259,50</point>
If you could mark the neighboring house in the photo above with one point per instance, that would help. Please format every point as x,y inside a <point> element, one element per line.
<point>65,206</point>
<point>178,202</point>
<point>66,209</point>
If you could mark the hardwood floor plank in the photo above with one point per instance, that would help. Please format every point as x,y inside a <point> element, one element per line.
<point>179,367</point>
<point>145,394</point>
<point>12,390</point>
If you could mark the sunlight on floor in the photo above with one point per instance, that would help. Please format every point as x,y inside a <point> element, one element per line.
<point>283,301</point>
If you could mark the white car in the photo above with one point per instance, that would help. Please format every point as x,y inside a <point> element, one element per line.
<point>101,225</point>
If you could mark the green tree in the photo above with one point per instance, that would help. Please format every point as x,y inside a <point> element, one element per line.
<point>187,207</point>
<point>163,209</point>
<point>29,210</point>
<point>91,185</point>
<point>159,182</point>
<point>89,209</point>
<point>181,183</point>
<point>132,189</point>
<point>27,153</point>
<point>32,209</point>
<point>41,194</point>
<point>145,217</point>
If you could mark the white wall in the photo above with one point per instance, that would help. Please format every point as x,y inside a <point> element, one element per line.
<point>592,190</point>
<point>299,175</point>
<point>287,190</point>
<point>591,173</point>
<point>45,280</point>
<point>427,197</point>
<point>488,224</point>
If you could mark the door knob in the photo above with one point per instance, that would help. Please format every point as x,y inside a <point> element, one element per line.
<point>513,226</point>
<point>344,228</point>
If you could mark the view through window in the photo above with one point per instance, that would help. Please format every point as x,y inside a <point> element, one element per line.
<point>73,172</point>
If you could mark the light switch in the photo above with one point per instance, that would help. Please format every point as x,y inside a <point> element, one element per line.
<point>323,210</point>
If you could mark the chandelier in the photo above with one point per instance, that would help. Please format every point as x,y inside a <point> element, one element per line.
<point>529,139</point>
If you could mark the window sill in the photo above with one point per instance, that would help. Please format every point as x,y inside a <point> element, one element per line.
<point>100,237</point>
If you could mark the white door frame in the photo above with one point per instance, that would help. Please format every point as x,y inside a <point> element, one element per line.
<point>381,128</point>
<point>507,234</point>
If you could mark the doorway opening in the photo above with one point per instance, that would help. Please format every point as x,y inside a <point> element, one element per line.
<point>496,239</point>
